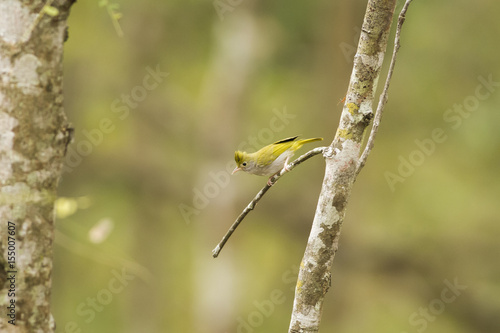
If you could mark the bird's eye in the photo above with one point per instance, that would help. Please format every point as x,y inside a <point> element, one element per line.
<point>244,163</point>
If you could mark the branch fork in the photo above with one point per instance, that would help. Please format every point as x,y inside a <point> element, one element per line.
<point>343,164</point>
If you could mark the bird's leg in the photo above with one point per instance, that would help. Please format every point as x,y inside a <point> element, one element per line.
<point>269,181</point>
<point>285,166</point>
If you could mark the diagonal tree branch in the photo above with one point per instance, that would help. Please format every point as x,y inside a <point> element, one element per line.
<point>384,96</point>
<point>261,193</point>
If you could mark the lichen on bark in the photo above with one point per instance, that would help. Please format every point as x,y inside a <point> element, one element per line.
<point>341,169</point>
<point>34,134</point>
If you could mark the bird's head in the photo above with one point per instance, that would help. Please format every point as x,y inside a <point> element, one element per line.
<point>244,162</point>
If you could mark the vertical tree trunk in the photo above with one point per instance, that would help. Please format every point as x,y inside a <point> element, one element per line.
<point>33,137</point>
<point>341,169</point>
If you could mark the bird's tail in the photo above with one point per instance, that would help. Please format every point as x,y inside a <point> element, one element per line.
<point>301,142</point>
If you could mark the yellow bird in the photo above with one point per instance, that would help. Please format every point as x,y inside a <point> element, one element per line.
<point>270,159</point>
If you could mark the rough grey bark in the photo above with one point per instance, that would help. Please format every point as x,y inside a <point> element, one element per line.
<point>33,138</point>
<point>341,169</point>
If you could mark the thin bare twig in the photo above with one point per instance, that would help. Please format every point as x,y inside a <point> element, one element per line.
<point>384,95</point>
<point>251,205</point>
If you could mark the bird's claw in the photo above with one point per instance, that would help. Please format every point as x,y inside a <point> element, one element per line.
<point>272,179</point>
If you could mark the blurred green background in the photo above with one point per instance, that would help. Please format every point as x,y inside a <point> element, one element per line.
<point>146,195</point>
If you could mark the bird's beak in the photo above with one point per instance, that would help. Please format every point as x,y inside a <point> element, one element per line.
<point>235,170</point>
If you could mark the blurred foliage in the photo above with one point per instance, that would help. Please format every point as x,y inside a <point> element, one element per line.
<point>167,138</point>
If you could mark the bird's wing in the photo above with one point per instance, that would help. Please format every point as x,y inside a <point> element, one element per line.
<point>290,139</point>
<point>270,153</point>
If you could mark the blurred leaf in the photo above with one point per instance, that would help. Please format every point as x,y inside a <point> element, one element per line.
<point>65,207</point>
<point>101,230</point>
<point>103,3</point>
